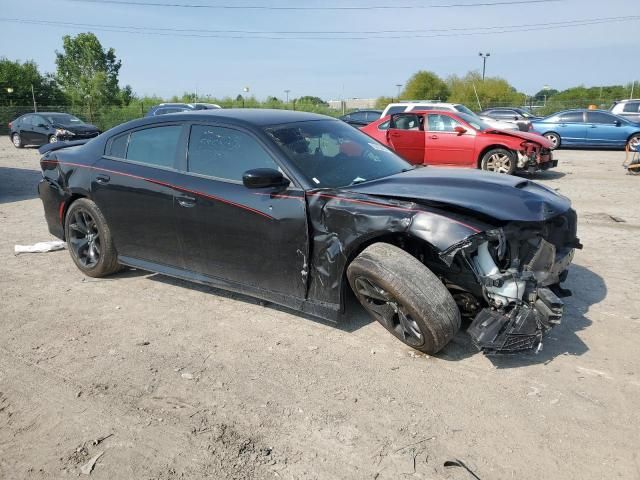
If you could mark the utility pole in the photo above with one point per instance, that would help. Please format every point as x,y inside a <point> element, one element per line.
<point>633,84</point>
<point>399,85</point>
<point>287,93</point>
<point>484,62</point>
<point>33,96</point>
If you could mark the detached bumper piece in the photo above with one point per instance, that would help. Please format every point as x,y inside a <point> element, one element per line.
<point>520,329</point>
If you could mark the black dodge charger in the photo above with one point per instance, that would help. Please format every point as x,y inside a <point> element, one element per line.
<point>49,127</point>
<point>300,209</point>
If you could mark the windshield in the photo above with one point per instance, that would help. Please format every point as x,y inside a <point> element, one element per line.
<point>333,154</point>
<point>64,119</point>
<point>475,121</point>
<point>525,113</point>
<point>463,109</point>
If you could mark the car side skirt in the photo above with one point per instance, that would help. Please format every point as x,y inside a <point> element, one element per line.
<point>326,311</point>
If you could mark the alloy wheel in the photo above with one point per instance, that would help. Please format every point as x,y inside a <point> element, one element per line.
<point>553,139</point>
<point>16,140</point>
<point>634,143</point>
<point>389,311</point>
<point>84,238</point>
<point>53,139</point>
<point>499,163</point>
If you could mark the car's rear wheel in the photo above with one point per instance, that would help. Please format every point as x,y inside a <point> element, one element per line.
<point>53,139</point>
<point>634,142</point>
<point>403,295</point>
<point>499,160</point>
<point>89,239</point>
<point>554,138</point>
<point>17,140</point>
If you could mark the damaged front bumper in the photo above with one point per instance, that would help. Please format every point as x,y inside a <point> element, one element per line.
<point>522,328</point>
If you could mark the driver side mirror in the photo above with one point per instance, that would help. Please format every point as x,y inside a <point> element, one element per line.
<point>617,123</point>
<point>460,130</point>
<point>42,125</point>
<point>264,178</point>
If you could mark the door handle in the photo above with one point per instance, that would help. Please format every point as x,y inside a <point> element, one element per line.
<point>186,201</point>
<point>593,126</point>
<point>103,178</point>
<point>395,134</point>
<point>434,137</point>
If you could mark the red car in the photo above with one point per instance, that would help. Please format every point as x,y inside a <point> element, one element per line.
<point>461,140</point>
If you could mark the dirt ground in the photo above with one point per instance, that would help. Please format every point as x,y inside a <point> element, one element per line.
<point>186,381</point>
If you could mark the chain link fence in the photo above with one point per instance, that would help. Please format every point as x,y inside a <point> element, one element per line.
<point>107,117</point>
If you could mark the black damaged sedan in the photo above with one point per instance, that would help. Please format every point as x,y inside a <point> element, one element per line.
<point>300,209</point>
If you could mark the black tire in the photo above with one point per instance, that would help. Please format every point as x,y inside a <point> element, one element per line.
<point>499,160</point>
<point>16,139</point>
<point>554,138</point>
<point>634,142</point>
<point>53,139</point>
<point>403,295</point>
<point>89,239</point>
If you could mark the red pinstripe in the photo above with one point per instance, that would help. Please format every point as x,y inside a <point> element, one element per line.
<point>165,184</point>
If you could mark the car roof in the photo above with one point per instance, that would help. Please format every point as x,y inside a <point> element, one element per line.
<point>249,117</point>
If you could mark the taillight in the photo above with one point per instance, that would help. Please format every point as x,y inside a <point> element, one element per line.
<point>10,125</point>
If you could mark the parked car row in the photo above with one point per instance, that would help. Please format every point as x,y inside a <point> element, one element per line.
<point>435,133</point>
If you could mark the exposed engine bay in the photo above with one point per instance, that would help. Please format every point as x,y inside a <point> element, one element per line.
<point>518,269</point>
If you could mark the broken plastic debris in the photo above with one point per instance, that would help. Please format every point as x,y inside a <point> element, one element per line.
<point>88,467</point>
<point>40,247</point>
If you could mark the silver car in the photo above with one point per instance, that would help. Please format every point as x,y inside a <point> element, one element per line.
<point>630,109</point>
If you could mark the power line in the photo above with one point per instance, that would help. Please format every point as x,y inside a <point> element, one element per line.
<point>152,30</point>
<point>239,34</point>
<point>267,7</point>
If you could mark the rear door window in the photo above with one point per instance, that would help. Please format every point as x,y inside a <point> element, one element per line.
<point>358,116</point>
<point>156,146</point>
<point>225,153</point>
<point>571,117</point>
<point>26,121</point>
<point>407,121</point>
<point>631,107</point>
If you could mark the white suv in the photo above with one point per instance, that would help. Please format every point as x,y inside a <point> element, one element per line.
<point>629,109</point>
<point>451,107</point>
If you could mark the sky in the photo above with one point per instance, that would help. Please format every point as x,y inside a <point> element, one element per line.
<point>530,55</point>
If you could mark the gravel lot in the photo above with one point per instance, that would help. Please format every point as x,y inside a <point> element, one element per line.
<point>191,382</point>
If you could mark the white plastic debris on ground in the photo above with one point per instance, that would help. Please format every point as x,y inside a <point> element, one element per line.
<point>41,247</point>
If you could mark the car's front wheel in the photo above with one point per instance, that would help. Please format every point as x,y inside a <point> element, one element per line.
<point>634,142</point>
<point>554,138</point>
<point>403,295</point>
<point>89,239</point>
<point>17,140</point>
<point>53,139</point>
<point>499,160</point>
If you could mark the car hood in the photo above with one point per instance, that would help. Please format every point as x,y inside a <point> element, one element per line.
<point>493,123</point>
<point>532,137</point>
<point>502,197</point>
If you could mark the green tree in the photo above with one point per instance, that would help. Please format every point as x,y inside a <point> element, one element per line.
<point>382,102</point>
<point>309,100</point>
<point>87,73</point>
<point>16,80</point>
<point>492,91</point>
<point>425,85</point>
